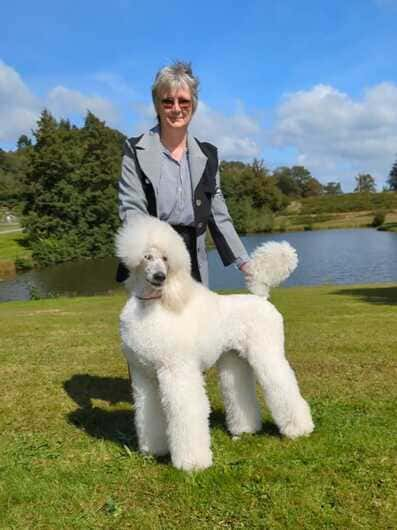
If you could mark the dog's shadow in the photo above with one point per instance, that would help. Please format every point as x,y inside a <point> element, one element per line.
<point>117,425</point>
<point>106,424</point>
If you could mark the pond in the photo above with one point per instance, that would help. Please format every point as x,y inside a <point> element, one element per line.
<point>325,257</point>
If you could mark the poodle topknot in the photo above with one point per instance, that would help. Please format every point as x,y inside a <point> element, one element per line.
<point>133,240</point>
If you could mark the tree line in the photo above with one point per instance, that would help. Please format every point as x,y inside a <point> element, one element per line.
<point>65,184</point>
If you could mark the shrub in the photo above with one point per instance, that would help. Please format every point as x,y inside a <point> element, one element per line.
<point>379,218</point>
<point>23,264</point>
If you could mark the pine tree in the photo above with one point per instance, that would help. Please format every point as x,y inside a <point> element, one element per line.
<point>392,180</point>
<point>23,142</point>
<point>71,190</point>
<point>365,183</point>
<point>98,179</point>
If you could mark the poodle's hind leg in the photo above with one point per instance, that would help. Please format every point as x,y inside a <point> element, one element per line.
<point>150,421</point>
<point>288,408</point>
<point>237,382</point>
<point>187,410</point>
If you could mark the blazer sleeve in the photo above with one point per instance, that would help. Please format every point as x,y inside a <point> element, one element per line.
<point>226,239</point>
<point>132,198</point>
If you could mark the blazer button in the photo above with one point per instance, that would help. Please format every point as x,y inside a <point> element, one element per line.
<point>198,202</point>
<point>200,225</point>
<point>146,181</point>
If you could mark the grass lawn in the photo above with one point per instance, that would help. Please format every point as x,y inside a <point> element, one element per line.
<point>68,455</point>
<point>389,227</point>
<point>12,246</point>
<point>354,219</point>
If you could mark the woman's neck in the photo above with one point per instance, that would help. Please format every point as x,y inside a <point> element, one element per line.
<point>175,140</point>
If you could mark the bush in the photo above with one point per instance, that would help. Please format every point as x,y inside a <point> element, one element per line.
<point>23,264</point>
<point>379,219</point>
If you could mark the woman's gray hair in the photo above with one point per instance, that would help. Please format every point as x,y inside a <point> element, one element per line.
<point>172,77</point>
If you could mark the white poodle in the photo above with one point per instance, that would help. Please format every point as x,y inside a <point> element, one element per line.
<point>173,328</point>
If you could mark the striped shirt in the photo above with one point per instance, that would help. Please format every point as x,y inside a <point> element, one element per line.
<point>175,202</point>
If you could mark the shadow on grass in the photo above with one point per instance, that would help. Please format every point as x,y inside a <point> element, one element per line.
<point>373,295</point>
<point>23,241</point>
<point>114,425</point>
<point>392,227</point>
<point>218,420</point>
<point>83,388</point>
<point>117,426</point>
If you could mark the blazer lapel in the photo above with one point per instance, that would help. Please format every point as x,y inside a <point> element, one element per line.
<point>197,160</point>
<point>148,151</point>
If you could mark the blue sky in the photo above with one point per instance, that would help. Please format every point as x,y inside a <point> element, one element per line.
<point>308,82</point>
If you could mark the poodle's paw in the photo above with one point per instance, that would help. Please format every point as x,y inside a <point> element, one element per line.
<point>300,424</point>
<point>158,448</point>
<point>249,428</point>
<point>192,462</point>
<point>244,421</point>
<point>294,430</point>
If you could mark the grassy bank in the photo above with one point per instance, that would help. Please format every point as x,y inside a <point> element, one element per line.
<point>296,222</point>
<point>350,210</point>
<point>13,251</point>
<point>68,455</point>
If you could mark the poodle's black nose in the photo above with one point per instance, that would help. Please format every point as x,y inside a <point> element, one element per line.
<point>159,277</point>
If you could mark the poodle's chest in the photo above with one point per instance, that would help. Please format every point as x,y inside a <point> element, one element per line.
<point>154,335</point>
<point>160,337</point>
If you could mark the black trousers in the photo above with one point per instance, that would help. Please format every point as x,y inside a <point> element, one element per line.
<point>188,234</point>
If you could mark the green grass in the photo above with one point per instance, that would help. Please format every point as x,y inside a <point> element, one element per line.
<point>14,254</point>
<point>349,202</point>
<point>388,227</point>
<point>350,210</point>
<point>68,448</point>
<point>12,246</point>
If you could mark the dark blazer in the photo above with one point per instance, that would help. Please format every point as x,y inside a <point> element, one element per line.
<point>138,194</point>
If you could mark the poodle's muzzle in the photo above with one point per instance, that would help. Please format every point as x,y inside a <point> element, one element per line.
<point>155,268</point>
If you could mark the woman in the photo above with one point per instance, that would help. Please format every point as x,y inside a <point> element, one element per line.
<point>169,174</point>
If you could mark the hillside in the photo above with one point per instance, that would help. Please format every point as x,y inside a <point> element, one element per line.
<point>350,210</point>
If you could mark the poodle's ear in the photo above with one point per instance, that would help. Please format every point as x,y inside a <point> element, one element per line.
<point>177,290</point>
<point>129,283</point>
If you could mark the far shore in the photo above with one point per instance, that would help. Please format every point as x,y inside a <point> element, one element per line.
<point>14,256</point>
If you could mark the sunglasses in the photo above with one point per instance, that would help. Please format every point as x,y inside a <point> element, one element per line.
<point>183,103</point>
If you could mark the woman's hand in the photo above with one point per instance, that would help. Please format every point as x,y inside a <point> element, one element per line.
<point>246,269</point>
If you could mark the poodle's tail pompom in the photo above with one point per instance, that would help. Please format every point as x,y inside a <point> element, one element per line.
<point>271,263</point>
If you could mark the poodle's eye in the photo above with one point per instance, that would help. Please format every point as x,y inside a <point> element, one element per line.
<point>165,258</point>
<point>148,257</point>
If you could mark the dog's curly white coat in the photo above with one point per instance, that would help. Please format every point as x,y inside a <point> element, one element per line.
<point>173,329</point>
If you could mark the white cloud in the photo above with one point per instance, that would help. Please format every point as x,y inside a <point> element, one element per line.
<point>20,108</point>
<point>338,137</point>
<point>115,83</point>
<point>63,102</point>
<point>237,136</point>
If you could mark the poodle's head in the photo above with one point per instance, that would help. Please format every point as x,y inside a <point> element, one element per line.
<point>157,259</point>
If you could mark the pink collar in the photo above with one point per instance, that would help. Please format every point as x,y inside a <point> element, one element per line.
<point>149,298</point>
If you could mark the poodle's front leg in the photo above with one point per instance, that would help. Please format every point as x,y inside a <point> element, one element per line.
<point>149,417</point>
<point>187,410</point>
<point>237,382</point>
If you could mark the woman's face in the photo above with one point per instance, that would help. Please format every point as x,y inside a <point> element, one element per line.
<point>175,108</point>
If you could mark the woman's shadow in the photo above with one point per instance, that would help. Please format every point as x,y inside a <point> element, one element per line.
<point>117,425</point>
